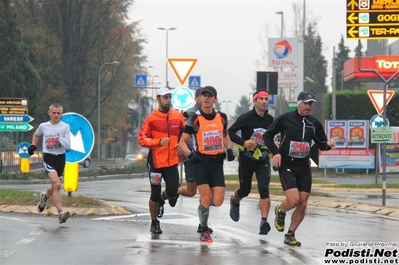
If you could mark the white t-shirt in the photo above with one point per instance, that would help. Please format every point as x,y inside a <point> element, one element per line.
<point>56,137</point>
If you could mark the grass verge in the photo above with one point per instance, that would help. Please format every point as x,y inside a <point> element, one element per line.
<point>25,198</point>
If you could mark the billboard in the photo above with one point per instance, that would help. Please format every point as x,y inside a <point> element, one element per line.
<point>283,52</point>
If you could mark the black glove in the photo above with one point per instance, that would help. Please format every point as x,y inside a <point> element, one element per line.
<point>230,155</point>
<point>31,149</point>
<point>194,158</point>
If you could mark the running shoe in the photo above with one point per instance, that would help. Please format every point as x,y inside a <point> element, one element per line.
<point>290,239</point>
<point>199,230</point>
<point>234,210</point>
<point>63,216</point>
<point>161,208</point>
<point>42,203</point>
<point>155,228</point>
<point>279,221</point>
<point>264,228</point>
<point>173,201</point>
<point>206,237</point>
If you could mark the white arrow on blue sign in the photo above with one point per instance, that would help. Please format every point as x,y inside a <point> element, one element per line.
<point>82,137</point>
<point>16,118</point>
<point>378,121</point>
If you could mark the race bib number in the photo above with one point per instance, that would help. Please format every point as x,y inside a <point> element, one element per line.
<point>299,149</point>
<point>257,136</point>
<point>212,140</point>
<point>53,143</point>
<point>155,178</point>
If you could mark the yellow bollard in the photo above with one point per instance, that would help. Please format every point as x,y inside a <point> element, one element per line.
<point>71,177</point>
<point>24,165</point>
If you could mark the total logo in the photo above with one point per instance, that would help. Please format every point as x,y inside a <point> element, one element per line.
<point>282,49</point>
<point>387,64</point>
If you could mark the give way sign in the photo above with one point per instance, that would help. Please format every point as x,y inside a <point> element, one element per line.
<point>377,98</point>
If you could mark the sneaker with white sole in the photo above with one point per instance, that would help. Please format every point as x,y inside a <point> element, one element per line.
<point>63,216</point>
<point>161,208</point>
<point>289,239</point>
<point>42,203</point>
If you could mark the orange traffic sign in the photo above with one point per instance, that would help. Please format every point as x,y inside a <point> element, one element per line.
<point>377,98</point>
<point>182,67</point>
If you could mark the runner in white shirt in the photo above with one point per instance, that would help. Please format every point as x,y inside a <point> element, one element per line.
<point>56,140</point>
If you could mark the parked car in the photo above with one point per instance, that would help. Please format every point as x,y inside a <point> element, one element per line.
<point>130,157</point>
<point>142,154</point>
<point>86,162</point>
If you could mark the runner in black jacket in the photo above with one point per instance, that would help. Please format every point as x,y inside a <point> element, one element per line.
<point>253,157</point>
<point>298,128</point>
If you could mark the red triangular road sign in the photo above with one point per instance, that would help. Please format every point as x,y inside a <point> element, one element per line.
<point>182,67</point>
<point>377,98</point>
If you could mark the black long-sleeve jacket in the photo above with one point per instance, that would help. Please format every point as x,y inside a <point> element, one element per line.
<point>294,127</point>
<point>246,123</point>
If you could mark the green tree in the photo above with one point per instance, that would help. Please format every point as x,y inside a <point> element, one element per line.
<point>244,105</point>
<point>84,35</point>
<point>341,57</point>
<point>18,77</point>
<point>315,67</point>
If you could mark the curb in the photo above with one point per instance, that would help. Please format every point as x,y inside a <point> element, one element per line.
<point>109,209</point>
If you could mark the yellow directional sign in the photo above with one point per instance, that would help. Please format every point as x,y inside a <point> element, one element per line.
<point>372,19</point>
<point>14,101</point>
<point>14,110</point>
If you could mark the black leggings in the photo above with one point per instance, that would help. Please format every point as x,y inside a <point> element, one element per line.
<point>247,167</point>
<point>171,177</point>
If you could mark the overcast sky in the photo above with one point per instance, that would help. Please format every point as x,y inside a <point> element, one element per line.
<point>225,36</point>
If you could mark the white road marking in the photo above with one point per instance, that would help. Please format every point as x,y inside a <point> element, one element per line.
<point>25,241</point>
<point>146,238</point>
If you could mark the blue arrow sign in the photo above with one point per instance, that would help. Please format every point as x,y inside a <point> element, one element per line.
<point>22,150</point>
<point>82,137</point>
<point>140,80</point>
<point>194,81</point>
<point>16,118</point>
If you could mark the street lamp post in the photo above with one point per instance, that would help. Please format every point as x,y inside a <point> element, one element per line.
<point>227,107</point>
<point>282,22</point>
<point>153,86</point>
<point>281,69</point>
<point>99,106</point>
<point>167,29</point>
